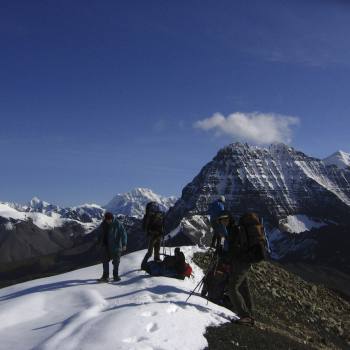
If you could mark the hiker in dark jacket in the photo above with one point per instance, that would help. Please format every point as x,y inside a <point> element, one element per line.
<point>153,225</point>
<point>216,209</point>
<point>112,240</point>
<point>236,257</point>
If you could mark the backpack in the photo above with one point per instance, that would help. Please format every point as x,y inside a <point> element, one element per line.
<point>251,238</point>
<point>215,284</point>
<point>153,220</point>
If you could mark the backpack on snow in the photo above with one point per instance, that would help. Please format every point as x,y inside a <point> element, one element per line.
<point>252,238</point>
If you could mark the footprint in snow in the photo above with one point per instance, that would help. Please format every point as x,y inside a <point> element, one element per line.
<point>149,314</point>
<point>133,340</point>
<point>152,327</point>
<point>172,309</point>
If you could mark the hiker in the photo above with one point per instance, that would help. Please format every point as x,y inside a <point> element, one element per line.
<point>176,262</point>
<point>216,278</point>
<point>244,246</point>
<point>173,266</point>
<point>112,239</point>
<point>216,208</point>
<point>153,225</point>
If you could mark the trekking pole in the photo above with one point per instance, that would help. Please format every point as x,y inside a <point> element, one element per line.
<point>205,275</point>
<point>266,239</point>
<point>199,284</point>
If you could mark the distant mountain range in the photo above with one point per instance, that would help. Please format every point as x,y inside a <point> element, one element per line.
<point>46,215</point>
<point>40,228</point>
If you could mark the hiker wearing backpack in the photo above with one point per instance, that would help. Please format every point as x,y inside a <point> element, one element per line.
<point>245,245</point>
<point>112,240</point>
<point>153,225</point>
<point>216,209</point>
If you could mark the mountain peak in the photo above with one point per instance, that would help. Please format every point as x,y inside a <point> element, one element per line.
<point>340,159</point>
<point>134,203</point>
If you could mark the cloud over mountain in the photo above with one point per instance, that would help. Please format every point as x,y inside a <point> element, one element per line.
<point>259,128</point>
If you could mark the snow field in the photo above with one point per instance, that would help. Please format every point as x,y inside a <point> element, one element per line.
<point>300,223</point>
<point>72,311</point>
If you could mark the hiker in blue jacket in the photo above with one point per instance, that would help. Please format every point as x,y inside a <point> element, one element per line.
<point>216,209</point>
<point>112,239</point>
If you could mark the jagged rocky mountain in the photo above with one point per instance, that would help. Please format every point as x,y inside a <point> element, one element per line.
<point>293,192</point>
<point>134,203</point>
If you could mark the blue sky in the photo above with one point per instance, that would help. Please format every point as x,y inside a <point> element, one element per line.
<point>99,97</point>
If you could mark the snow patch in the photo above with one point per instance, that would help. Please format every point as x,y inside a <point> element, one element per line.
<point>9,226</point>
<point>299,223</point>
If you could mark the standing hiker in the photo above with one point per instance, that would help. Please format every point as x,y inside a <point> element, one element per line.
<point>153,225</point>
<point>216,209</point>
<point>245,246</point>
<point>112,239</point>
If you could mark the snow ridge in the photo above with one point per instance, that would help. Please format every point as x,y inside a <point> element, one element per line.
<point>72,311</point>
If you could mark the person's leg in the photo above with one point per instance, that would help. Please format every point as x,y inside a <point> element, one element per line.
<point>156,246</point>
<point>237,277</point>
<point>148,254</point>
<point>245,292</point>
<point>105,263</point>
<point>116,261</point>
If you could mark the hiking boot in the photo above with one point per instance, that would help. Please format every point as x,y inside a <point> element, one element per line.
<point>246,321</point>
<point>103,279</point>
<point>116,278</point>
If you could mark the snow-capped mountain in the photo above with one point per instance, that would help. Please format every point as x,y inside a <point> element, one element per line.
<point>340,159</point>
<point>291,190</point>
<point>134,203</point>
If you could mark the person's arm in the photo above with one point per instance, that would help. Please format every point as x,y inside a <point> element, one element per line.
<point>124,236</point>
<point>100,231</point>
<point>145,222</point>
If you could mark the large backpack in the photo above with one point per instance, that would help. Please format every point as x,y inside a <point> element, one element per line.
<point>215,284</point>
<point>251,238</point>
<point>153,220</point>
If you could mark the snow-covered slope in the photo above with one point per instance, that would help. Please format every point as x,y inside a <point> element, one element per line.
<point>71,311</point>
<point>340,159</point>
<point>134,203</point>
<point>300,223</point>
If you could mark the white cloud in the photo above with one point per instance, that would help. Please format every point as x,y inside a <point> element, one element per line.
<point>259,128</point>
